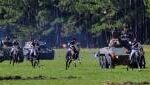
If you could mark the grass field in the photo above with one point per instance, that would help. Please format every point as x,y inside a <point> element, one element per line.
<point>52,72</point>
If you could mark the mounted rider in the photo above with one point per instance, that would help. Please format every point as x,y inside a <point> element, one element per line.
<point>134,49</point>
<point>6,42</point>
<point>34,47</point>
<point>72,45</point>
<point>15,46</point>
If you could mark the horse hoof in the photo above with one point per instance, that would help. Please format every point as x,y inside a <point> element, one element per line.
<point>127,69</point>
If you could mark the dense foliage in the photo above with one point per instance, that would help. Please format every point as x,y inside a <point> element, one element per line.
<point>70,17</point>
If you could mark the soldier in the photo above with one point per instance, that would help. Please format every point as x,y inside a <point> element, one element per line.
<point>115,33</point>
<point>72,45</point>
<point>15,43</point>
<point>15,46</point>
<point>6,41</point>
<point>126,34</point>
<point>134,48</point>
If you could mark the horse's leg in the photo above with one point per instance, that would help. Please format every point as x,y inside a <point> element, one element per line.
<point>34,63</point>
<point>67,59</point>
<point>138,64</point>
<point>127,67</point>
<point>69,63</point>
<point>38,61</point>
<point>66,64</point>
<point>75,63</point>
<point>132,65</point>
<point>10,59</point>
<point>18,58</point>
<point>13,60</point>
<point>137,60</point>
<point>142,61</point>
<point>31,60</point>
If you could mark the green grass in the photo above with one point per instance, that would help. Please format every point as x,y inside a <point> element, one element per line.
<point>86,73</point>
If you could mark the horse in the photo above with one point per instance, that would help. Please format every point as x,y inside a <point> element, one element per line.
<point>72,56</point>
<point>137,60</point>
<point>142,57</point>
<point>34,56</point>
<point>14,55</point>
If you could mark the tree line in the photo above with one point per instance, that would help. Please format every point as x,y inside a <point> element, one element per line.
<point>61,19</point>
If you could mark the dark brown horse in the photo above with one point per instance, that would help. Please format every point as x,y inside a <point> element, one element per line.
<point>72,56</point>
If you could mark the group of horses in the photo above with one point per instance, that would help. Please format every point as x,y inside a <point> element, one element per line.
<point>17,54</point>
<point>108,59</point>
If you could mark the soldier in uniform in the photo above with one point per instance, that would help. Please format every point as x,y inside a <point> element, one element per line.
<point>72,45</point>
<point>134,48</point>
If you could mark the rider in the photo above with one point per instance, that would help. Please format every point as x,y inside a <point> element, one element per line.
<point>124,34</point>
<point>127,34</point>
<point>115,33</point>
<point>5,41</point>
<point>15,44</point>
<point>134,48</point>
<point>72,45</point>
<point>34,46</point>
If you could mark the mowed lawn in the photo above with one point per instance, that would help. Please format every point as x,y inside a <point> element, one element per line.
<point>52,72</point>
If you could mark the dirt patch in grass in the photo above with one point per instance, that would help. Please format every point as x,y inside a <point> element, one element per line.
<point>40,77</point>
<point>127,83</point>
<point>21,78</point>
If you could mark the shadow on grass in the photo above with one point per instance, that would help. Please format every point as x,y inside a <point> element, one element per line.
<point>127,83</point>
<point>37,78</point>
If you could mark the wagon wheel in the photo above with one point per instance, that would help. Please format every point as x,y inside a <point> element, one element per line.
<point>102,62</point>
<point>109,61</point>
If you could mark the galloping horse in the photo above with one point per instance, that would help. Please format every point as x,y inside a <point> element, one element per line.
<point>14,55</point>
<point>72,56</point>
